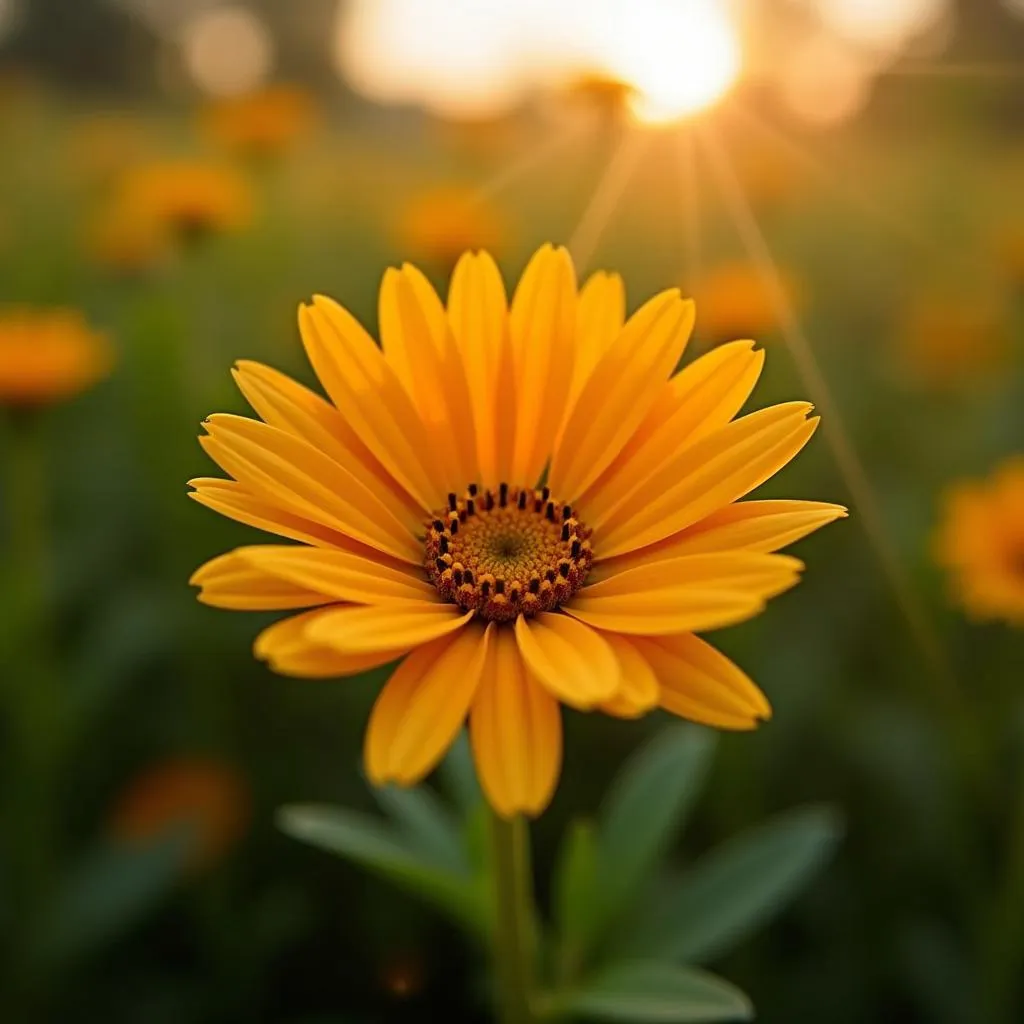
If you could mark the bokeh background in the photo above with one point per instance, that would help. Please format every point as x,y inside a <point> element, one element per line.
<point>839,179</point>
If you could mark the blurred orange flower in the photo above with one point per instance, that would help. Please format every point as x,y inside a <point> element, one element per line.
<point>734,301</point>
<point>262,123</point>
<point>981,542</point>
<point>121,241</point>
<point>1008,250</point>
<point>946,340</point>
<point>47,355</point>
<point>187,199</point>
<point>206,795</point>
<point>441,224</point>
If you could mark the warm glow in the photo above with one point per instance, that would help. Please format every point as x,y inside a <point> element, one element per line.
<point>885,25</point>
<point>228,50</point>
<point>480,58</point>
<point>680,57</point>
<point>824,82</point>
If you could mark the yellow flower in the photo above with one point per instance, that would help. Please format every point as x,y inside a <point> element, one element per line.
<point>424,533</point>
<point>734,301</point>
<point>209,797</point>
<point>261,123</point>
<point>441,224</point>
<point>120,240</point>
<point>981,542</point>
<point>1008,249</point>
<point>945,340</point>
<point>48,355</point>
<point>187,199</point>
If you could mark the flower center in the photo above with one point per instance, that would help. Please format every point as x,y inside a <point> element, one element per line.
<point>513,551</point>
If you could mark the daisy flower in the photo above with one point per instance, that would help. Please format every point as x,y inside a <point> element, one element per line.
<point>981,542</point>
<point>523,504</point>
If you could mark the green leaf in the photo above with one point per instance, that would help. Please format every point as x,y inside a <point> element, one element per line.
<point>574,890</point>
<point>459,776</point>
<point>646,805</point>
<point>653,992</point>
<point>108,891</point>
<point>734,889</point>
<point>426,825</point>
<point>374,845</point>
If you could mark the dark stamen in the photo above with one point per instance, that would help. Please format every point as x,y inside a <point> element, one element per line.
<point>467,577</point>
<point>499,586</point>
<point>441,565</point>
<point>545,493</point>
<point>453,502</point>
<point>471,507</point>
<point>472,490</point>
<point>522,501</point>
<point>550,511</point>
<point>534,585</point>
<point>575,549</point>
<point>564,567</point>
<point>438,525</point>
<point>442,545</point>
<point>503,495</point>
<point>567,511</point>
<point>565,532</point>
<point>550,575</point>
<point>485,587</point>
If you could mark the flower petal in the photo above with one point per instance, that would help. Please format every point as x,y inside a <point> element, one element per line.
<point>418,342</point>
<point>478,315</point>
<point>398,625</point>
<point>764,526</point>
<point>700,683</point>
<point>619,392</point>
<point>286,404</point>
<point>368,393</point>
<point>288,650</point>
<point>423,706</point>
<point>542,326</point>
<point>575,663</point>
<point>282,468</point>
<point>639,691</point>
<point>689,594</point>
<point>232,581</point>
<point>234,500</point>
<point>708,475</point>
<point>516,731</point>
<point>340,574</point>
<point>701,398</point>
<point>600,314</point>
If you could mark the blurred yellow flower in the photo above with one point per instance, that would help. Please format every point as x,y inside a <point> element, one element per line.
<point>206,796</point>
<point>187,199</point>
<point>425,536</point>
<point>735,301</point>
<point>262,123</point>
<point>47,355</point>
<point>947,339</point>
<point>981,542</point>
<point>439,225</point>
<point>120,240</point>
<point>1008,249</point>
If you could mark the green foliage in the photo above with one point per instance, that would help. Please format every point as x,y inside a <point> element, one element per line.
<point>659,994</point>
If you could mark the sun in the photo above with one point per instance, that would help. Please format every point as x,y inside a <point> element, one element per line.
<point>680,57</point>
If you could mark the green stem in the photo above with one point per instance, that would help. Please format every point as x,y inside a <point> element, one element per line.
<point>514,933</point>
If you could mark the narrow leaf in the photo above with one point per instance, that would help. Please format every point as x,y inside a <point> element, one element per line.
<point>113,887</point>
<point>734,889</point>
<point>647,804</point>
<point>377,847</point>
<point>574,892</point>
<point>640,992</point>
<point>426,825</point>
<point>458,776</point>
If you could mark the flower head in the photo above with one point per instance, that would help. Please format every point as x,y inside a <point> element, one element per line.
<point>522,504</point>
<point>47,355</point>
<point>735,301</point>
<point>441,224</point>
<point>262,123</point>
<point>186,199</point>
<point>981,542</point>
<point>207,796</point>
<point>946,341</point>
